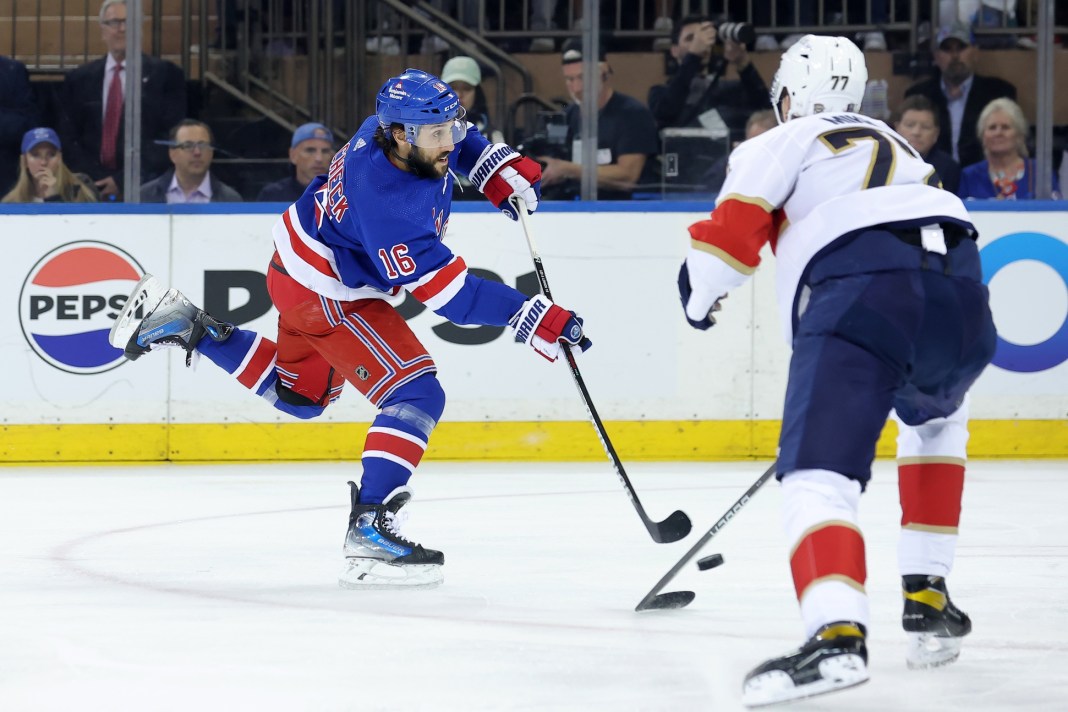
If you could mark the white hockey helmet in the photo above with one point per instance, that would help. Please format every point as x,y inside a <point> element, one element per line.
<point>819,74</point>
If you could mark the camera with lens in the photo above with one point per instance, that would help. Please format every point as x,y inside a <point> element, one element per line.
<point>549,137</point>
<point>740,32</point>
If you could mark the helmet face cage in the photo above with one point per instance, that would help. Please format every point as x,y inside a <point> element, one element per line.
<point>447,133</point>
<point>419,101</point>
<point>820,75</point>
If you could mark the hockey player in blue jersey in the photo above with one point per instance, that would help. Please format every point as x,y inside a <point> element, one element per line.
<point>344,252</point>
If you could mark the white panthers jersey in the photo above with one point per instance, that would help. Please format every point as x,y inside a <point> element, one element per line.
<point>807,182</point>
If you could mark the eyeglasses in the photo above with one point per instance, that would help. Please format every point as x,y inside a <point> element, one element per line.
<point>114,24</point>
<point>193,146</point>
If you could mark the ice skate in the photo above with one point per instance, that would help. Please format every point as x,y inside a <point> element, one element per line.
<point>378,555</point>
<point>155,317</point>
<point>933,624</point>
<point>835,658</point>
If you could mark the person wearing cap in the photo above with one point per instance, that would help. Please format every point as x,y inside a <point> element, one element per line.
<point>697,89</point>
<point>465,77</point>
<point>190,179</point>
<point>309,152</point>
<point>959,93</point>
<point>626,138</point>
<point>43,177</point>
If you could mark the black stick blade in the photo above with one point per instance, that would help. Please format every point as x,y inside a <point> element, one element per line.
<point>670,600</point>
<point>675,527</point>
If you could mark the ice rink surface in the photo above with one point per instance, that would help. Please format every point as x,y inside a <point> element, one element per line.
<point>213,587</point>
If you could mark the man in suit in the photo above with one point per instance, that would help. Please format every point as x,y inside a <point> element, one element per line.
<point>91,121</point>
<point>959,93</point>
<point>190,180</point>
<point>18,114</point>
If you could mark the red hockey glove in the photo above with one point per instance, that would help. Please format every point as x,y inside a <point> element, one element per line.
<point>500,173</point>
<point>545,326</point>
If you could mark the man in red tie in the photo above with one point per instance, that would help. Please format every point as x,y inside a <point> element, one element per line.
<point>92,117</point>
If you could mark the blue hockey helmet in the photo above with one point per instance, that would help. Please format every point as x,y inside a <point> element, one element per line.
<point>416,99</point>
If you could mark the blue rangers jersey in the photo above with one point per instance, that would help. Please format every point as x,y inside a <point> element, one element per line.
<point>368,230</point>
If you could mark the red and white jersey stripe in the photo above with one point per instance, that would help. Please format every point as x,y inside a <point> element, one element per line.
<point>436,288</point>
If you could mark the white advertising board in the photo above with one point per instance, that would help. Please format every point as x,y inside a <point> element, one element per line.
<point>617,269</point>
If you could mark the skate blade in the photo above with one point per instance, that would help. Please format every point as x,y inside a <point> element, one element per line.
<point>379,575</point>
<point>145,297</point>
<point>927,651</point>
<point>838,673</point>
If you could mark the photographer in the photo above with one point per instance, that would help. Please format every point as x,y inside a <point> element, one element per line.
<point>696,87</point>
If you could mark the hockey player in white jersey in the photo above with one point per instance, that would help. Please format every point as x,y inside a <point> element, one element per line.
<point>881,297</point>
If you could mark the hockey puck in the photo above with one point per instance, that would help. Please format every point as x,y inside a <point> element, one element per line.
<point>710,562</point>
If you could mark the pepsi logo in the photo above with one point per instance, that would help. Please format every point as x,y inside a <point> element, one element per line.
<point>69,301</point>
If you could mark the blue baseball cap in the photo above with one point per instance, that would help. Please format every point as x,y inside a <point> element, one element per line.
<point>33,137</point>
<point>309,131</point>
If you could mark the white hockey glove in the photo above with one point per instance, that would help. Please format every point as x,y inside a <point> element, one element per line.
<point>546,326</point>
<point>500,173</point>
<point>704,280</point>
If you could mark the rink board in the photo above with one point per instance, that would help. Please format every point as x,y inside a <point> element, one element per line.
<point>665,390</point>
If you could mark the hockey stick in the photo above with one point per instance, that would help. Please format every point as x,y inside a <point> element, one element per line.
<point>677,525</point>
<point>678,599</point>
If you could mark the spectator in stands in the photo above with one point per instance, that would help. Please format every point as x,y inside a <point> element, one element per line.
<point>465,77</point>
<point>758,123</point>
<point>1007,173</point>
<point>310,152</point>
<point>626,138</point>
<point>18,113</point>
<point>917,120</point>
<point>43,177</point>
<point>190,180</point>
<point>92,116</point>
<point>959,93</point>
<point>696,91</point>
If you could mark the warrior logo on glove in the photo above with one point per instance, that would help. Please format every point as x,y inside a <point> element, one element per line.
<point>500,173</point>
<point>546,326</point>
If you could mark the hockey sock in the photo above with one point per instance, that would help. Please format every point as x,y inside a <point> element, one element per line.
<point>930,513</point>
<point>250,359</point>
<point>398,437</point>
<point>827,556</point>
<point>930,467</point>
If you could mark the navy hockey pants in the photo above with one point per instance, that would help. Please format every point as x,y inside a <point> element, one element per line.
<point>910,339</point>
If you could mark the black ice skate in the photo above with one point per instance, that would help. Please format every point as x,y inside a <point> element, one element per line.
<point>933,624</point>
<point>155,317</point>
<point>378,555</point>
<point>835,658</point>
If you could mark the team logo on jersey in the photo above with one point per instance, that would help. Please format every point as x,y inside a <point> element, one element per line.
<point>362,373</point>
<point>69,301</point>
